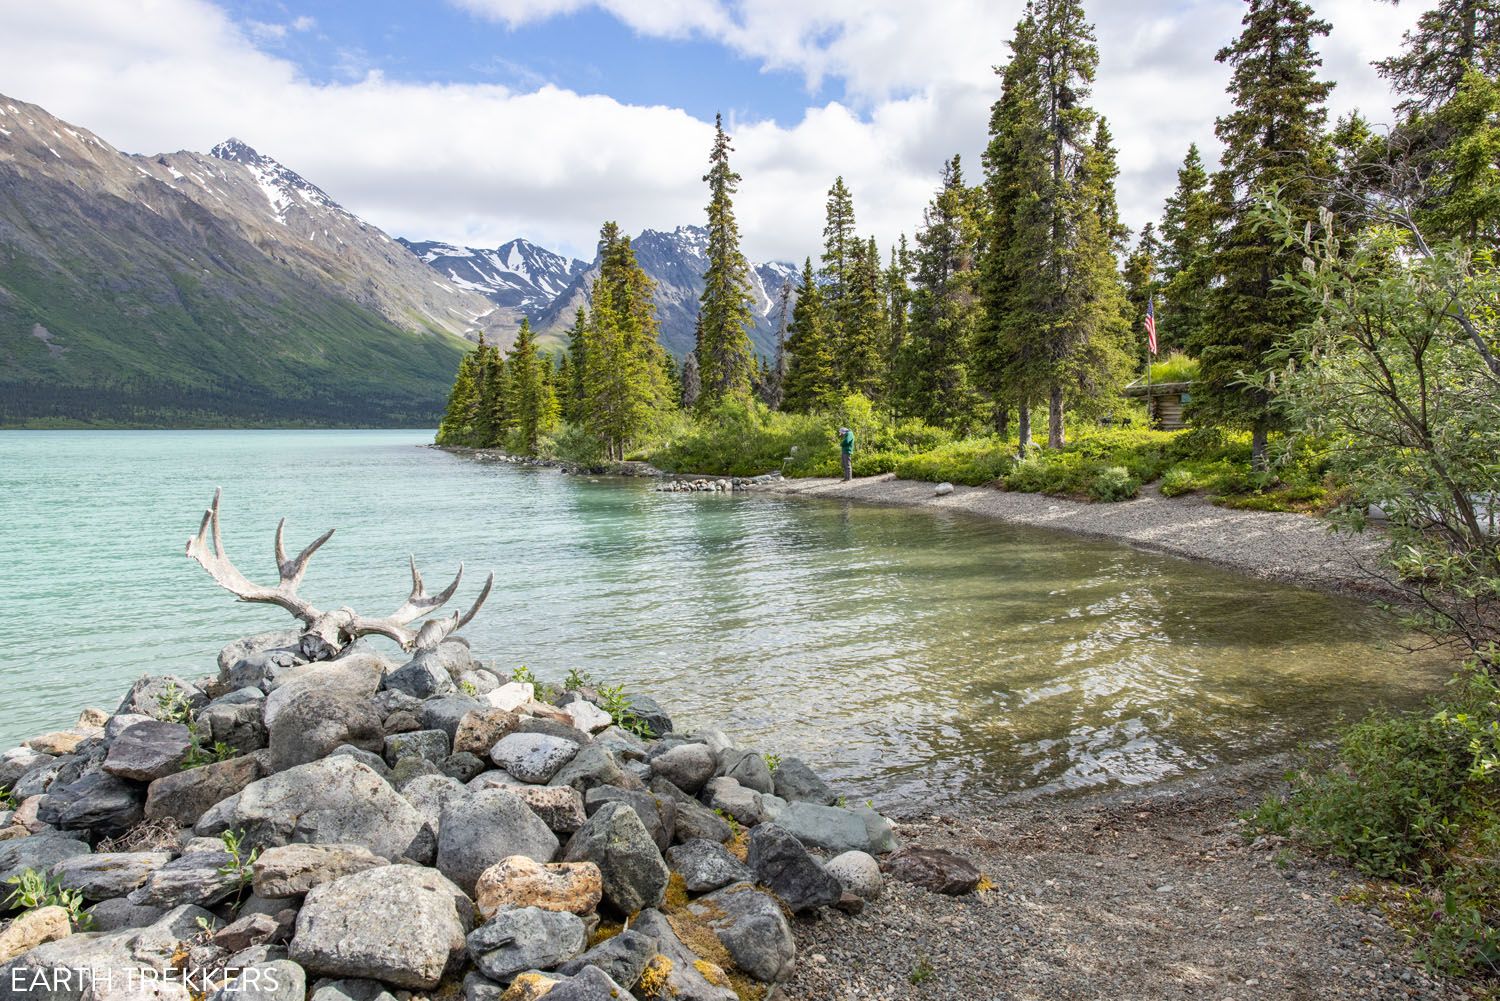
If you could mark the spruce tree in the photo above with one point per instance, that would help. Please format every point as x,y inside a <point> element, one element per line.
<point>1187,232</point>
<point>1050,282</point>
<point>578,352</point>
<point>458,418</point>
<point>839,243</point>
<point>692,386</point>
<point>861,356</point>
<point>810,380</point>
<point>898,276</point>
<point>1010,351</point>
<point>724,316</point>
<point>1448,40</point>
<point>932,380</point>
<point>625,379</point>
<point>532,404</point>
<point>1272,139</point>
<point>492,418</point>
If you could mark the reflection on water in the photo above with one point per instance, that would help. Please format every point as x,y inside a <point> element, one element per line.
<point>913,657</point>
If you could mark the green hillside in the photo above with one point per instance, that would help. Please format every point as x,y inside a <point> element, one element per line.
<point>116,313</point>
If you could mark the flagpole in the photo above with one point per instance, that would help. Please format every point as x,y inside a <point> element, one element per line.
<point>1151,307</point>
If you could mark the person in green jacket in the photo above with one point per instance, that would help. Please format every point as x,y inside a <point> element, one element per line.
<point>846,452</point>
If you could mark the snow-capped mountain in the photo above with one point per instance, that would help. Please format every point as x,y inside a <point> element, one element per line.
<point>518,274</point>
<point>186,288</point>
<point>549,288</point>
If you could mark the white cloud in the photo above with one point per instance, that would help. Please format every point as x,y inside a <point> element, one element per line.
<point>482,163</point>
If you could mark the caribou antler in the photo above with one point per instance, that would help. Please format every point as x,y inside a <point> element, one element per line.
<point>329,632</point>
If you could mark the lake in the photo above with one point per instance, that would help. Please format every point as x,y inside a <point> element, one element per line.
<point>914,658</point>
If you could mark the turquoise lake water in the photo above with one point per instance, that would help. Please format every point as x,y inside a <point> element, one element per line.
<point>913,657</point>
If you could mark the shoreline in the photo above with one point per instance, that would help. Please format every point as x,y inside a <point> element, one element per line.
<point>1286,548</point>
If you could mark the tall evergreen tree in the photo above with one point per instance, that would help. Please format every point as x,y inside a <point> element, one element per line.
<point>1010,351</point>
<point>625,376</point>
<point>839,245</point>
<point>724,317</point>
<point>492,416</point>
<point>1273,138</point>
<point>811,381</point>
<point>457,424</point>
<point>578,354</point>
<point>1449,39</point>
<point>1053,223</point>
<point>898,276</point>
<point>532,403</point>
<point>861,358</point>
<point>692,384</point>
<point>1187,231</point>
<point>932,380</point>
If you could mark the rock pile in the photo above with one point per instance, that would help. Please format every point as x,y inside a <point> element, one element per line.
<point>713,484</point>
<point>345,829</point>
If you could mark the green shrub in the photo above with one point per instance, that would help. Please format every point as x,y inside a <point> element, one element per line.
<point>1112,483</point>
<point>1178,481</point>
<point>972,462</point>
<point>31,890</point>
<point>1415,798</point>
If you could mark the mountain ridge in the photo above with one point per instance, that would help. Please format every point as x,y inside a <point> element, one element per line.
<point>184,289</point>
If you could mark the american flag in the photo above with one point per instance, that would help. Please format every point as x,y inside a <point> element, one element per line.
<point>1151,323</point>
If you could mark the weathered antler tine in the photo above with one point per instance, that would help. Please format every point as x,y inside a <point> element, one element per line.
<point>484,593</point>
<point>213,510</point>
<point>291,575</point>
<point>280,545</point>
<point>420,602</point>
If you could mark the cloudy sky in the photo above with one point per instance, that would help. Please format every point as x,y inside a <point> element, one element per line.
<point>476,121</point>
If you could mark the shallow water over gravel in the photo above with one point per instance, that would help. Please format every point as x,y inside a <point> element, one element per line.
<point>913,657</point>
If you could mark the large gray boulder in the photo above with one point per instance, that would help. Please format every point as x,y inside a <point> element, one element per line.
<point>560,807</point>
<point>650,712</point>
<point>292,870</point>
<point>657,813</point>
<point>356,673</point>
<point>614,839</point>
<point>783,866</point>
<point>429,745</point>
<point>39,851</point>
<point>525,938</point>
<point>318,721</point>
<point>106,875</point>
<point>286,639</point>
<point>238,723</point>
<point>734,800</point>
<point>118,912</point>
<point>686,766</point>
<point>705,865</point>
<point>694,820</point>
<point>751,926</point>
<point>421,678</point>
<point>352,989</point>
<point>333,801</point>
<point>481,828</point>
<point>826,827</point>
<point>101,804</point>
<point>201,878</point>
<point>589,984</point>
<point>277,980</point>
<point>685,982</point>
<point>116,957</point>
<point>447,712</point>
<point>148,751</point>
<point>795,781</point>
<point>533,757</point>
<point>748,768</point>
<point>183,797</point>
<point>400,924</point>
<point>156,695</point>
<point>594,765</point>
<point>623,957</point>
<point>17,761</point>
<point>428,794</point>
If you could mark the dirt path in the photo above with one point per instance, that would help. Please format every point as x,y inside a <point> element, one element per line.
<point>1153,900</point>
<point>1293,548</point>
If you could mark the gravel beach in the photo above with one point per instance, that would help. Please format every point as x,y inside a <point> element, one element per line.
<point>1291,548</point>
<point>1156,899</point>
